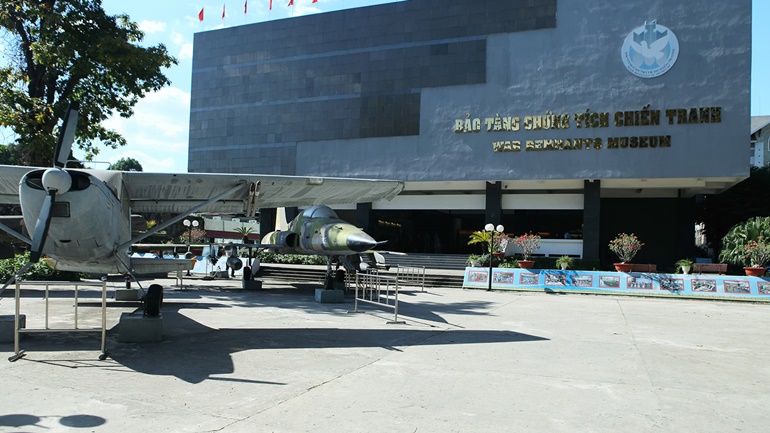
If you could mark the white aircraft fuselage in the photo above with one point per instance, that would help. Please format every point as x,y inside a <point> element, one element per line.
<point>89,222</point>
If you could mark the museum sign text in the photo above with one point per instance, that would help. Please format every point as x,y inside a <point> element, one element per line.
<point>587,120</point>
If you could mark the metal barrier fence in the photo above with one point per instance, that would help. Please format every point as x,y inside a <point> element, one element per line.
<point>103,329</point>
<point>380,290</point>
<point>411,276</point>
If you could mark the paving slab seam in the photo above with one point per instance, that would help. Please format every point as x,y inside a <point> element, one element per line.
<point>299,395</point>
<point>635,344</point>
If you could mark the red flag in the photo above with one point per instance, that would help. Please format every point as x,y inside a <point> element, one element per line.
<point>315,1</point>
<point>245,7</point>
<point>223,12</point>
<point>291,3</point>
<point>271,4</point>
<point>200,15</point>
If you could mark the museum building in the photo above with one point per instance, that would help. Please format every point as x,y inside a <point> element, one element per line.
<point>577,120</point>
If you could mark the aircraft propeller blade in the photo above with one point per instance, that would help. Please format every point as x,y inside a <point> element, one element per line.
<point>66,135</point>
<point>41,227</point>
<point>18,273</point>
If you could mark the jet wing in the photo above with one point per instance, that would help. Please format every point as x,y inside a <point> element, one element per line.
<point>178,192</point>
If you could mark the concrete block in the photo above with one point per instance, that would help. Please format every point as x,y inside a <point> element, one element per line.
<point>127,294</point>
<point>252,284</point>
<point>6,327</point>
<point>325,296</point>
<point>136,328</point>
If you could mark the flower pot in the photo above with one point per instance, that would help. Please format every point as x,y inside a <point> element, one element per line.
<point>754,272</point>
<point>623,267</point>
<point>499,255</point>
<point>526,264</point>
<point>563,266</point>
<point>685,270</point>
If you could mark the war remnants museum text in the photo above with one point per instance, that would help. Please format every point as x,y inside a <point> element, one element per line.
<point>587,120</point>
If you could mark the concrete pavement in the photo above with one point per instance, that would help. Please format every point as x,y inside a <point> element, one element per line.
<point>465,361</point>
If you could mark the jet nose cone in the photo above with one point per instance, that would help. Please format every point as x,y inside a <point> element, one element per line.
<point>360,242</point>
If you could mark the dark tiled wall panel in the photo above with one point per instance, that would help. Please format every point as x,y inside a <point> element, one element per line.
<point>349,74</point>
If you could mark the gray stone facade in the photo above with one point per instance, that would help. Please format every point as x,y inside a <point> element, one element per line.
<point>376,91</point>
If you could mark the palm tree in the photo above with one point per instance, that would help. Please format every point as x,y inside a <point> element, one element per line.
<point>245,232</point>
<point>480,237</point>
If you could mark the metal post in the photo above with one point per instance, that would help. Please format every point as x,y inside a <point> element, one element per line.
<point>104,316</point>
<point>76,307</point>
<point>491,237</point>
<point>46,306</point>
<point>16,321</point>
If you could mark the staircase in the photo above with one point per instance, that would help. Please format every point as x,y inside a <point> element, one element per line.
<point>445,273</point>
<point>428,261</point>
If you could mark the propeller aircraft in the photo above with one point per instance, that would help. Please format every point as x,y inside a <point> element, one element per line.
<point>81,218</point>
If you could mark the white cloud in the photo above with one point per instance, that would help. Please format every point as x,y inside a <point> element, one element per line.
<point>186,52</point>
<point>156,135</point>
<point>177,38</point>
<point>152,26</point>
<point>300,9</point>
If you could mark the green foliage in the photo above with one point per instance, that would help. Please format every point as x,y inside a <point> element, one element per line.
<point>508,262</point>
<point>127,164</point>
<point>529,243</point>
<point>625,246</point>
<point>63,50</point>
<point>735,241</point>
<point>480,237</point>
<point>720,212</point>
<point>292,259</point>
<point>40,271</point>
<point>685,263</point>
<point>194,236</point>
<point>244,231</point>
<point>569,261</point>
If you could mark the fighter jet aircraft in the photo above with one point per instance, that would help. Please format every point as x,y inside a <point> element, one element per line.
<point>81,218</point>
<point>317,231</point>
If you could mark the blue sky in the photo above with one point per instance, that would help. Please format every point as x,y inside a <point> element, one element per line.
<point>157,134</point>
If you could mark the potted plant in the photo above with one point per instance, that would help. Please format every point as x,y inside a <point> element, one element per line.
<point>745,243</point>
<point>757,254</point>
<point>685,265</point>
<point>474,260</point>
<point>529,243</point>
<point>625,246</point>
<point>564,262</point>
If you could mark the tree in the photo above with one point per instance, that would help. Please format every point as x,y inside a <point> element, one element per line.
<point>127,164</point>
<point>62,50</point>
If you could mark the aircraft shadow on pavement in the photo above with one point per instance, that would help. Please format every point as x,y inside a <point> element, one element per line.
<point>194,352</point>
<point>207,352</point>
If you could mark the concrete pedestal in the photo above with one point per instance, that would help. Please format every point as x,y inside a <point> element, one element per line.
<point>6,327</point>
<point>325,296</point>
<point>127,294</point>
<point>135,328</point>
<point>252,284</point>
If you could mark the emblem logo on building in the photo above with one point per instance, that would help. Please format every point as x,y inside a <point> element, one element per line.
<point>650,50</point>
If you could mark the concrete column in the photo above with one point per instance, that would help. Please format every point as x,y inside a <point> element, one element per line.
<point>591,218</point>
<point>364,216</point>
<point>266,221</point>
<point>494,204</point>
<point>291,213</point>
<point>685,228</point>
